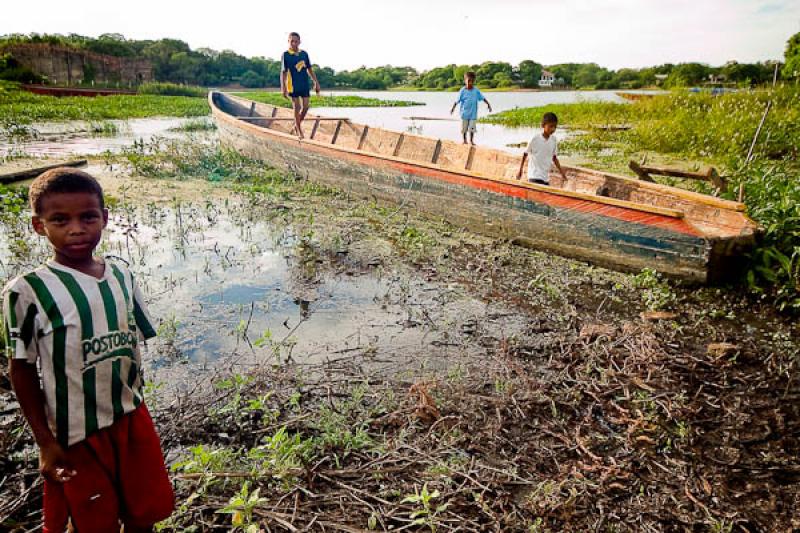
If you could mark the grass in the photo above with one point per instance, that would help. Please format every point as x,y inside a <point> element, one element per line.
<point>21,107</point>
<point>276,99</point>
<point>682,123</point>
<point>18,107</point>
<point>172,89</point>
<point>708,130</point>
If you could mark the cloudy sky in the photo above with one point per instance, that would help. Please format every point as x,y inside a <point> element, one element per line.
<point>346,34</point>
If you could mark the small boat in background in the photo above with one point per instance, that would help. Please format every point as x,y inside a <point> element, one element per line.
<point>635,97</point>
<point>31,173</point>
<point>606,219</point>
<point>49,90</point>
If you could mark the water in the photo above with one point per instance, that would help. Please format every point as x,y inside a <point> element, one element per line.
<point>437,105</point>
<point>228,279</point>
<point>77,138</point>
<point>58,139</point>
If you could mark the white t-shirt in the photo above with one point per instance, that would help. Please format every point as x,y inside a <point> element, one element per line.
<point>540,152</point>
<point>85,334</point>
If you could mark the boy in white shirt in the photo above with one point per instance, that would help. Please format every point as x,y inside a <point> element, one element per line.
<point>543,150</point>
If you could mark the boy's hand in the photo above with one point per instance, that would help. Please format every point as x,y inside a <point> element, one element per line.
<point>316,88</point>
<point>285,94</point>
<point>53,463</point>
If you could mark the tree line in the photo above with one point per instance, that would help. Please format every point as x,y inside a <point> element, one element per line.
<point>174,61</point>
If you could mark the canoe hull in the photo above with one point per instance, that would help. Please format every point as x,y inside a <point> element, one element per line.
<point>610,236</point>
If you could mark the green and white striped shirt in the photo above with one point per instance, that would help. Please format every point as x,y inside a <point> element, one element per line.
<point>85,333</point>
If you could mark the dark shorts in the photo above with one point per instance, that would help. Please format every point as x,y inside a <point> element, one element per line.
<point>120,477</point>
<point>300,93</point>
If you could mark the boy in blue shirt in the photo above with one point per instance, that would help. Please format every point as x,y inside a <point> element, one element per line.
<point>468,98</point>
<point>295,83</point>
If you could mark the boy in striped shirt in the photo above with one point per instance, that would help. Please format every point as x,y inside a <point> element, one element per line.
<point>82,319</point>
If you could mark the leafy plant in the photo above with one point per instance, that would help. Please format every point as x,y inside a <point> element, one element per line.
<point>426,512</point>
<point>241,507</point>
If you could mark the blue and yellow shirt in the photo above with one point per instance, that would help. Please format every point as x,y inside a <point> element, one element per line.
<point>297,65</point>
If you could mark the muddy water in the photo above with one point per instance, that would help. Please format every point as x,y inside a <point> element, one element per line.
<point>53,139</point>
<point>227,280</point>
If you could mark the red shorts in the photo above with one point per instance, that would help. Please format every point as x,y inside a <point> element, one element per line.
<point>120,477</point>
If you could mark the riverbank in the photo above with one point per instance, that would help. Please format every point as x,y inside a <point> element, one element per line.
<point>695,131</point>
<point>19,107</point>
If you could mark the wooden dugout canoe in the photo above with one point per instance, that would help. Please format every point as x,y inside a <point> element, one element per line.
<point>606,219</point>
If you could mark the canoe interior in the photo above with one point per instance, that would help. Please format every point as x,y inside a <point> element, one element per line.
<point>723,223</point>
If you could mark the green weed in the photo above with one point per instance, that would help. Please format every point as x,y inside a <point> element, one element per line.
<point>241,507</point>
<point>426,511</point>
<point>276,99</point>
<point>655,291</point>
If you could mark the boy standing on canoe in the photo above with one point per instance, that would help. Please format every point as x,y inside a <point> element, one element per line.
<point>295,73</point>
<point>468,98</point>
<point>82,319</point>
<point>543,151</point>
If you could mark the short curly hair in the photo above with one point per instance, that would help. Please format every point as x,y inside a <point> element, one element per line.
<point>549,118</point>
<point>62,180</point>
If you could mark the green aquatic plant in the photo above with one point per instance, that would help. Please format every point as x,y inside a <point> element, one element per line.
<point>21,107</point>
<point>276,99</point>
<point>172,89</point>
<point>704,130</point>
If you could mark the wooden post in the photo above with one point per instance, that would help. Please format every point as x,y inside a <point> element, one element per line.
<point>436,151</point>
<point>644,176</point>
<point>398,145</point>
<point>758,132</point>
<point>470,156</point>
<point>336,132</point>
<point>717,180</point>
<point>253,109</point>
<point>363,137</point>
<point>314,129</point>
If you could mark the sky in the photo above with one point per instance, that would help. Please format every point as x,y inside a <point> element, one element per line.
<point>347,34</point>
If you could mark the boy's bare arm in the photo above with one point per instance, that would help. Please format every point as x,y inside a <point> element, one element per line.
<point>488,105</point>
<point>284,92</point>
<point>522,165</point>
<point>558,166</point>
<point>453,108</point>
<point>314,77</point>
<point>53,463</point>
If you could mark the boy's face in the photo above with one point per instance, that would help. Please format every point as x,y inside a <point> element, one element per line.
<point>294,42</point>
<point>73,222</point>
<point>549,128</point>
<point>469,82</point>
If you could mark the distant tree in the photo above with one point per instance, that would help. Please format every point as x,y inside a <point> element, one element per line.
<point>251,79</point>
<point>530,72</point>
<point>565,71</point>
<point>586,75</point>
<point>791,67</point>
<point>686,74</point>
<point>488,74</point>
<point>747,73</point>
